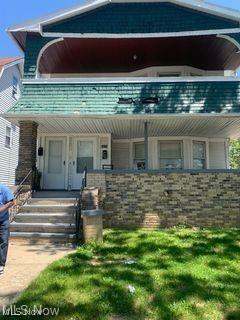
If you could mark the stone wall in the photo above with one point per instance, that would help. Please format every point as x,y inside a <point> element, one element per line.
<point>160,200</point>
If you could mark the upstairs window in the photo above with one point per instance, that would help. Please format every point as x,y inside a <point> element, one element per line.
<point>8,137</point>
<point>170,155</point>
<point>199,155</point>
<point>171,74</point>
<point>14,87</point>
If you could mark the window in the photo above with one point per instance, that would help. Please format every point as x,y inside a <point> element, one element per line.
<point>55,157</point>
<point>172,74</point>
<point>170,155</point>
<point>139,156</point>
<point>14,87</point>
<point>199,155</point>
<point>8,137</point>
<point>84,155</point>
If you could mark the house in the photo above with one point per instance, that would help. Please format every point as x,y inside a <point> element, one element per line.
<point>11,70</point>
<point>145,94</point>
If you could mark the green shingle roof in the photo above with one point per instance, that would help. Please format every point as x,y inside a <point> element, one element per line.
<point>109,98</point>
<point>148,17</point>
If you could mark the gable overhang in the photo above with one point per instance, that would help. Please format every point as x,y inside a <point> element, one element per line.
<point>19,32</point>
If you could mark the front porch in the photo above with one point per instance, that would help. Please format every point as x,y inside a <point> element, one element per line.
<point>144,143</point>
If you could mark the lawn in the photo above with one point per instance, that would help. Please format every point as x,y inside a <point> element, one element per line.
<point>176,274</point>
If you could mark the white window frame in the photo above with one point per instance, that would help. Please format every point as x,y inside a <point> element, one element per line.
<point>169,142</point>
<point>8,143</point>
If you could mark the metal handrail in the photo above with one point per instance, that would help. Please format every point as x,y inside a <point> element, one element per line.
<point>79,207</point>
<point>20,186</point>
<point>21,195</point>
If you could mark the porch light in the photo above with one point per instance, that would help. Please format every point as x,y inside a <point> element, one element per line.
<point>135,57</point>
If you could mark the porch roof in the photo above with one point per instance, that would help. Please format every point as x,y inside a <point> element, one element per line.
<point>132,127</point>
<point>130,97</point>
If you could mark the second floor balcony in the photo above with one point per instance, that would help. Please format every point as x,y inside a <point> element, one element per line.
<point>148,57</point>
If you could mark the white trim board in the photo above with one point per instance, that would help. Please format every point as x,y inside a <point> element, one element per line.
<point>130,80</point>
<point>136,117</point>
<point>139,35</point>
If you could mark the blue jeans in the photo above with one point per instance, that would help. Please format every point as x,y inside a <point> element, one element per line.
<point>4,239</point>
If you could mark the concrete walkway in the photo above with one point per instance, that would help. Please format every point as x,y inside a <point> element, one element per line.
<point>25,262</point>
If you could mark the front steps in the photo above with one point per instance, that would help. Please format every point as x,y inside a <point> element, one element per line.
<point>45,219</point>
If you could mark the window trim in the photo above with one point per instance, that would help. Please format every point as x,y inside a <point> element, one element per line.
<point>162,158</point>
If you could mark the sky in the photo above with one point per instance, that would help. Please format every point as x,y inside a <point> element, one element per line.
<point>16,11</point>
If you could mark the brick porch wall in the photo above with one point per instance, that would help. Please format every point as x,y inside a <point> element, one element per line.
<point>162,200</point>
<point>27,150</point>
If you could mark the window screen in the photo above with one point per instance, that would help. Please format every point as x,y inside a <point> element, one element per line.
<point>199,155</point>
<point>170,154</point>
<point>14,87</point>
<point>55,157</point>
<point>139,152</point>
<point>84,155</point>
<point>8,137</point>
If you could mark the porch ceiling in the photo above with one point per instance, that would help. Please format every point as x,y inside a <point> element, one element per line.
<point>133,127</point>
<point>116,55</point>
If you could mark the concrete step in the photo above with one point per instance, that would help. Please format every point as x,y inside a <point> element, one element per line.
<point>56,194</point>
<point>52,201</point>
<point>47,208</point>
<point>43,227</point>
<point>38,237</point>
<point>42,217</point>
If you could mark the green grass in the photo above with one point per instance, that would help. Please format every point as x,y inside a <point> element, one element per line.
<point>179,274</point>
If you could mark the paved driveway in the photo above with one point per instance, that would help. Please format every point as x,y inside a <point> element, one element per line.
<point>25,261</point>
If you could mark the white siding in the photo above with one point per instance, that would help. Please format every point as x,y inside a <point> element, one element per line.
<point>217,155</point>
<point>8,156</point>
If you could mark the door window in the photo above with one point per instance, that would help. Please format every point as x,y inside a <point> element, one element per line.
<point>84,155</point>
<point>55,157</point>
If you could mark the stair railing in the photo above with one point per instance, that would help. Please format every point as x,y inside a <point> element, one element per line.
<point>79,206</point>
<point>22,194</point>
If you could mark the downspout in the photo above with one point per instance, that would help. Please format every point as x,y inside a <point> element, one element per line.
<point>146,144</point>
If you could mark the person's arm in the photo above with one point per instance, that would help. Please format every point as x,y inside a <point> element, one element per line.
<point>6,206</point>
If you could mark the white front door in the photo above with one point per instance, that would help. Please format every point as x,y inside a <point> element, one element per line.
<point>55,163</point>
<point>84,155</point>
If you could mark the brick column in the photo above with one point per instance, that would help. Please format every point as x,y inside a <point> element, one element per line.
<point>27,150</point>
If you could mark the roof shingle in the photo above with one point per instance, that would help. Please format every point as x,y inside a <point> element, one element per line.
<point>108,98</point>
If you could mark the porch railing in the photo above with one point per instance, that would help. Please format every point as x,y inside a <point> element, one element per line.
<point>22,193</point>
<point>79,207</point>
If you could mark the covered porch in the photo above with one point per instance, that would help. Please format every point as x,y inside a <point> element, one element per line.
<point>61,146</point>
